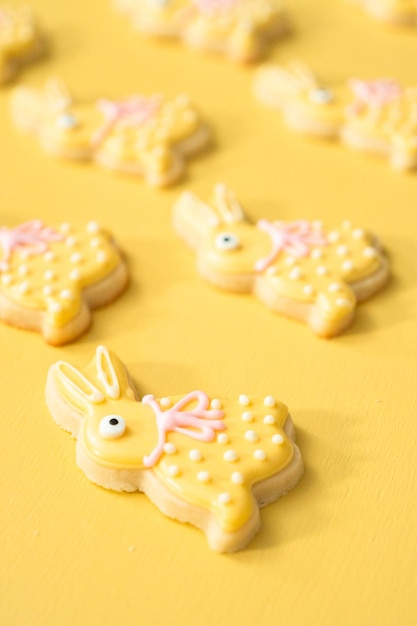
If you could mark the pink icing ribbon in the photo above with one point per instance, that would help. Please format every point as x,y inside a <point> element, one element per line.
<point>132,112</point>
<point>295,238</point>
<point>32,236</point>
<point>199,423</point>
<point>373,93</point>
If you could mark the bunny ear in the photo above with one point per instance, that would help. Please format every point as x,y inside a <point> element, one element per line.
<point>76,387</point>
<point>58,94</point>
<point>106,373</point>
<point>275,86</point>
<point>193,219</point>
<point>227,205</point>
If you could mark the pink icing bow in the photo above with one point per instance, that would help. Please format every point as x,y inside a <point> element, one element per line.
<point>193,423</point>
<point>295,238</point>
<point>33,236</point>
<point>373,92</point>
<point>132,112</point>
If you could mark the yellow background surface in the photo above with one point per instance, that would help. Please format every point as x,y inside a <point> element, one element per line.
<point>339,549</point>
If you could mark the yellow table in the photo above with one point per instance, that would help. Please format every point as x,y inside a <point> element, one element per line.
<point>341,548</point>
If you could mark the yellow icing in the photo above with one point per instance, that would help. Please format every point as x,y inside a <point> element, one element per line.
<point>189,456</point>
<point>19,35</point>
<point>323,277</point>
<point>53,281</point>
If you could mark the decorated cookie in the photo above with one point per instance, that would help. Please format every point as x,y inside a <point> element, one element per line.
<point>378,116</point>
<point>21,40</point>
<point>240,29</point>
<point>145,136</point>
<point>297,268</point>
<point>395,11</point>
<point>51,278</point>
<point>208,461</point>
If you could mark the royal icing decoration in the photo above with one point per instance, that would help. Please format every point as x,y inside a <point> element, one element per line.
<point>377,116</point>
<point>145,136</point>
<point>38,284</point>
<point>116,434</point>
<point>240,29</point>
<point>20,40</point>
<point>297,268</point>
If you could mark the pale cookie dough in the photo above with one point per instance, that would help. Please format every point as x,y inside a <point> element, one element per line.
<point>145,136</point>
<point>243,30</point>
<point>377,116</point>
<point>51,278</point>
<point>298,268</point>
<point>401,12</point>
<point>208,461</point>
<point>21,40</point>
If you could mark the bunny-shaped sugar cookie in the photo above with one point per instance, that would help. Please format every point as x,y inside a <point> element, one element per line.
<point>296,268</point>
<point>51,278</point>
<point>208,461</point>
<point>377,116</point>
<point>21,40</point>
<point>144,136</point>
<point>240,29</point>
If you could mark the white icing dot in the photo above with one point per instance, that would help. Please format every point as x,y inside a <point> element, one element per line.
<point>49,256</point>
<point>49,275</point>
<point>272,270</point>
<point>317,253</point>
<point>346,224</point>
<point>215,404</point>
<point>101,256</point>
<point>259,455</point>
<point>93,227</point>
<point>170,448</point>
<point>358,233</point>
<point>347,265</point>
<point>203,477</point>
<point>277,439</point>
<point>251,435</point>
<point>55,307</point>
<point>6,279</point>
<point>317,224</point>
<point>308,290</point>
<point>247,416</point>
<point>295,273</point>
<point>71,241</point>
<point>334,287</point>
<point>269,401</point>
<point>65,227</point>
<point>67,294</point>
<point>95,242</point>
<point>224,498</point>
<point>165,402</point>
<point>269,419</point>
<point>24,287</point>
<point>290,260</point>
<point>74,275</point>
<point>342,250</point>
<point>369,252</point>
<point>48,290</point>
<point>333,236</point>
<point>237,478</point>
<point>195,455</point>
<point>244,400</point>
<point>343,302</point>
<point>76,257</point>
<point>231,456</point>
<point>223,438</point>
<point>23,270</point>
<point>322,270</point>
<point>173,470</point>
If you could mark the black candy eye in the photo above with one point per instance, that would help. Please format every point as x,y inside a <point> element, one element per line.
<point>227,241</point>
<point>112,427</point>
